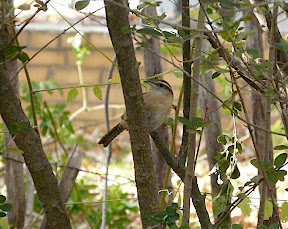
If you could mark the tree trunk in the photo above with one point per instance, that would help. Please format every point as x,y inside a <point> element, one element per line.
<point>29,142</point>
<point>145,177</point>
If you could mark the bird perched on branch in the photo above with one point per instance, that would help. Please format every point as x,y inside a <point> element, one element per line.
<point>158,101</point>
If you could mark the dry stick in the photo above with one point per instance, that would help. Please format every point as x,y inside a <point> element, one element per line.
<point>190,171</point>
<point>109,151</point>
<point>187,63</point>
<point>200,139</point>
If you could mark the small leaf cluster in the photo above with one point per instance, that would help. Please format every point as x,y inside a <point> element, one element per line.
<point>4,207</point>
<point>273,172</point>
<point>224,165</point>
<point>168,217</point>
<point>120,213</point>
<point>59,112</point>
<point>41,5</point>
<point>13,52</point>
<point>194,123</point>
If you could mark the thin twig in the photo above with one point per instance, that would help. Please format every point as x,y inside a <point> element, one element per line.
<point>28,20</point>
<point>55,128</point>
<point>109,151</point>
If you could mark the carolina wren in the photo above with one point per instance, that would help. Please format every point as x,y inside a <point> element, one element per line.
<point>158,101</point>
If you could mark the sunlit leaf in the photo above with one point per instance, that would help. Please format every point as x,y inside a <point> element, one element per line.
<point>97,92</point>
<point>223,139</point>
<point>268,211</point>
<point>72,95</point>
<point>245,206</point>
<point>15,150</point>
<point>284,217</point>
<point>115,79</point>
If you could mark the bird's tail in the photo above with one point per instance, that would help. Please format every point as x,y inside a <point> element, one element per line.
<point>113,133</point>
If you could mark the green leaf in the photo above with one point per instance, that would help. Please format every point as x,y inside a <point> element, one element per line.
<point>268,211</point>
<point>237,106</point>
<point>262,227</point>
<point>2,199</point>
<point>272,177</point>
<point>255,163</point>
<point>284,217</point>
<point>216,74</point>
<point>81,4</point>
<point>236,173</point>
<point>244,35</point>
<point>223,139</point>
<point>280,160</point>
<point>15,150</point>
<point>281,174</point>
<point>245,206</point>
<point>2,214</point>
<point>256,179</point>
<point>178,74</point>
<point>282,45</point>
<point>23,57</point>
<point>209,10</point>
<point>115,79</point>
<point>97,92</point>
<point>72,94</point>
<point>280,147</point>
<point>253,52</point>
<point>6,207</point>
<point>274,226</point>
<point>241,196</point>
<point>237,226</point>
<point>219,205</point>
<point>125,29</point>
<point>149,31</point>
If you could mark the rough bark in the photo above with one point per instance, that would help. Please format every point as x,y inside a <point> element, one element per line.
<point>117,18</point>
<point>28,141</point>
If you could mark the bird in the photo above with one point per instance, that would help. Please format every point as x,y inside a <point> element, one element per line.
<point>158,100</point>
